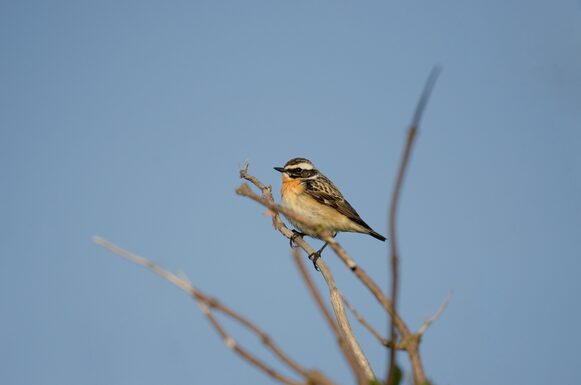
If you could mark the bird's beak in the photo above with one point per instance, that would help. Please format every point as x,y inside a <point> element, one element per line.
<point>279,169</point>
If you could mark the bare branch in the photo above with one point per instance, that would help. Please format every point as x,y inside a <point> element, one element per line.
<point>207,304</point>
<point>232,344</point>
<point>409,341</point>
<point>373,287</point>
<point>340,326</point>
<point>315,292</point>
<point>266,190</point>
<point>245,190</point>
<point>384,341</point>
<point>343,322</point>
<point>327,315</point>
<point>419,376</point>
<point>436,315</point>
<point>267,200</point>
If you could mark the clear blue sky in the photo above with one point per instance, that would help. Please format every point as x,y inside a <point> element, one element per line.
<point>130,120</point>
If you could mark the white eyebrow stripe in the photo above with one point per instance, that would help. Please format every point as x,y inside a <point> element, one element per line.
<point>303,165</point>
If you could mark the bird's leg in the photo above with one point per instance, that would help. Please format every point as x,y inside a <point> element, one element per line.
<point>316,255</point>
<point>294,236</point>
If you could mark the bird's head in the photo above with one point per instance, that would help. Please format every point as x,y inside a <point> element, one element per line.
<point>298,168</point>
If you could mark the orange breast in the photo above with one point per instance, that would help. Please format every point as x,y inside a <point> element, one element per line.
<point>290,187</point>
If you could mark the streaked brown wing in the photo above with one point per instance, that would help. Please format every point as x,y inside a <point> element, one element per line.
<point>325,192</point>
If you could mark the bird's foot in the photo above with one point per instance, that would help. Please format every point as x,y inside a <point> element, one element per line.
<point>296,234</point>
<point>314,257</point>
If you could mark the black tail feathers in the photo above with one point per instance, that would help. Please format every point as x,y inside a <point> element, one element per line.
<point>377,235</point>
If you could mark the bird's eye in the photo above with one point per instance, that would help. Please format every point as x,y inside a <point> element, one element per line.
<point>298,170</point>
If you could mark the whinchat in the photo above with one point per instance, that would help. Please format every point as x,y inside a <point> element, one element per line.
<point>312,195</point>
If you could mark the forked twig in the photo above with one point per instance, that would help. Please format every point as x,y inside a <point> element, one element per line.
<point>384,341</point>
<point>436,315</point>
<point>208,304</point>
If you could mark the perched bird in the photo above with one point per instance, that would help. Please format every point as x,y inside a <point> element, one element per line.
<point>312,195</point>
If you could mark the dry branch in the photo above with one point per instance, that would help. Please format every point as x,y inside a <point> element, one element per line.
<point>208,304</point>
<point>245,190</point>
<point>349,345</point>
<point>419,376</point>
<point>436,315</point>
<point>327,315</point>
<point>355,351</point>
<point>343,322</point>
<point>384,341</point>
<point>409,341</point>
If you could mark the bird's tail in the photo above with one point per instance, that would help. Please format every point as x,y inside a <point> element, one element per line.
<point>377,235</point>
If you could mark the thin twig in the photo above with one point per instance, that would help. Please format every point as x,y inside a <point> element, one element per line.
<point>436,315</point>
<point>384,341</point>
<point>207,303</point>
<point>419,376</point>
<point>246,191</point>
<point>327,315</point>
<point>373,287</point>
<point>266,191</point>
<point>232,344</point>
<point>389,343</point>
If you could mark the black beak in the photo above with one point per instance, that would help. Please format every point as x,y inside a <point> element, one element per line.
<point>279,169</point>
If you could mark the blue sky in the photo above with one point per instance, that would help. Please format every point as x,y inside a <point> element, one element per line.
<point>130,120</point>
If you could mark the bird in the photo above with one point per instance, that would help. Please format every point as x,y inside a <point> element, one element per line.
<point>309,193</point>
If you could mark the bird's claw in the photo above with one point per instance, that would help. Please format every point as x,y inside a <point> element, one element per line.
<point>314,257</point>
<point>296,234</point>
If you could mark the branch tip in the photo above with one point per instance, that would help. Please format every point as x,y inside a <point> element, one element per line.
<point>418,371</point>
<point>243,189</point>
<point>436,315</point>
<point>427,91</point>
<point>244,169</point>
